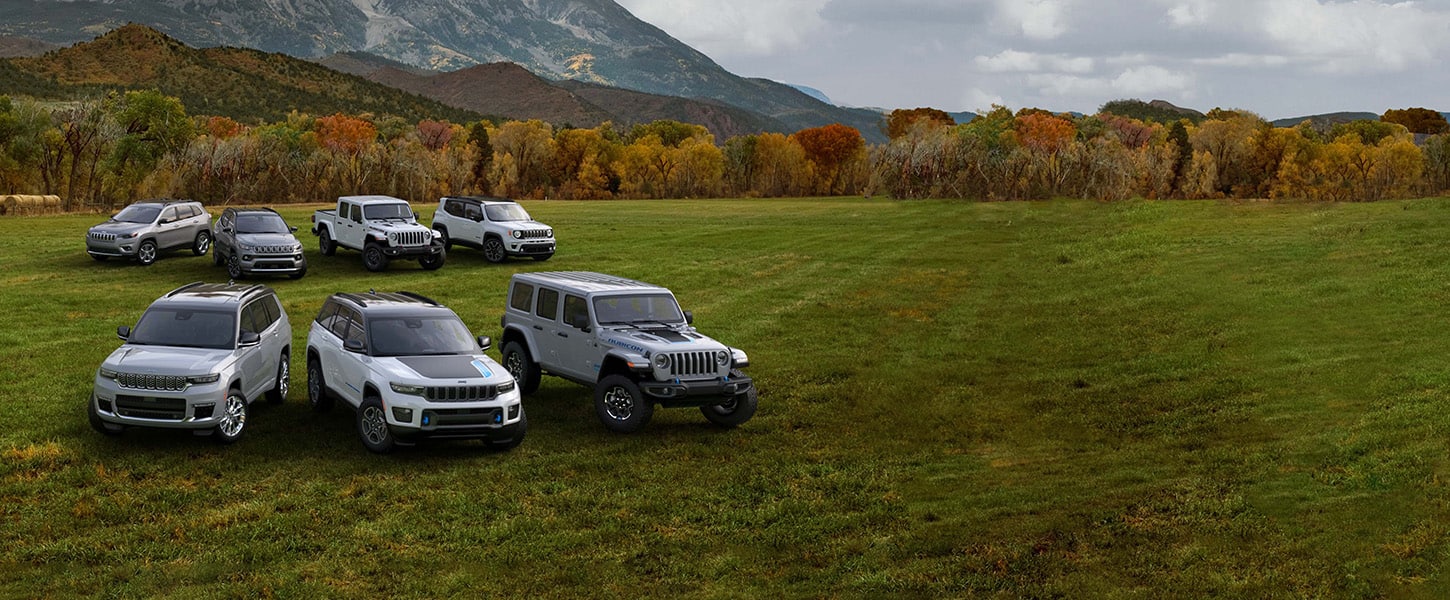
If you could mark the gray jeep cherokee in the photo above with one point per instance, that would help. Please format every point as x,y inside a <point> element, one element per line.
<point>145,229</point>
<point>197,358</point>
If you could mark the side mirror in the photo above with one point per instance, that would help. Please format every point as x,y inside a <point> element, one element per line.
<point>249,338</point>
<point>292,229</point>
<point>689,318</point>
<point>353,346</point>
<point>123,332</point>
<point>579,321</point>
<point>484,342</point>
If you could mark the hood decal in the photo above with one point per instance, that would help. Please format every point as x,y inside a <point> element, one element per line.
<point>446,367</point>
<point>668,335</point>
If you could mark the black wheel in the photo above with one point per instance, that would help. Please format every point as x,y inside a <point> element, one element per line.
<point>146,253</point>
<point>372,426</point>
<point>233,418</point>
<point>216,257</point>
<point>283,382</point>
<point>518,438</point>
<point>98,424</point>
<point>317,395</point>
<point>432,262</point>
<point>325,243</point>
<point>374,259</point>
<point>735,410</point>
<point>234,267</point>
<point>447,241</point>
<point>99,257</point>
<point>620,405</point>
<point>493,250</point>
<point>298,275</point>
<point>543,257</point>
<point>525,370</point>
<point>202,243</point>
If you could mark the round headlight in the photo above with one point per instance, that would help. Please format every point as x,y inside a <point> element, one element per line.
<point>722,358</point>
<point>548,233</point>
<point>662,361</point>
<point>518,235</point>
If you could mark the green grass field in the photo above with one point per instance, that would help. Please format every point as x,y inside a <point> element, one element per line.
<point>1060,399</point>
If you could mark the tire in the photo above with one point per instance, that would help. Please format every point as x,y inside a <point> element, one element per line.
<point>733,411</point>
<point>202,243</point>
<point>493,250</point>
<point>325,243</point>
<point>317,396</point>
<point>524,369</point>
<point>233,419</point>
<point>432,262</point>
<point>518,438</point>
<point>298,274</point>
<point>620,405</point>
<point>372,427</point>
<point>447,241</point>
<point>216,257</point>
<point>543,257</point>
<point>98,424</point>
<point>283,383</point>
<point>234,267</point>
<point>374,259</point>
<point>147,253</point>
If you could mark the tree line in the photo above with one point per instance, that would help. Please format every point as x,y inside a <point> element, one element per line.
<point>139,144</point>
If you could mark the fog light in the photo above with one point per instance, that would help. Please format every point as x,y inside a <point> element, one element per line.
<point>247,257</point>
<point>203,411</point>
<point>105,406</point>
<point>513,411</point>
<point>404,414</point>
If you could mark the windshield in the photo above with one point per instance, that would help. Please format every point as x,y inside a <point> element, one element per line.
<point>415,336</point>
<point>261,223</point>
<point>506,212</point>
<point>387,211</point>
<point>634,310</point>
<point>186,328</point>
<point>138,214</point>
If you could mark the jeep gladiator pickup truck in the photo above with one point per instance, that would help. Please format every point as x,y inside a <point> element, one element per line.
<point>383,228</point>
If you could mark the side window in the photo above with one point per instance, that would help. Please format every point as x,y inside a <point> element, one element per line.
<point>327,314</point>
<point>355,329</point>
<point>168,215</point>
<point>339,324</point>
<point>274,309</point>
<point>473,213</point>
<point>576,310</point>
<point>355,212</point>
<point>453,207</point>
<point>548,304</point>
<point>250,322</point>
<point>266,312</point>
<point>225,222</point>
<point>523,297</point>
<point>189,211</point>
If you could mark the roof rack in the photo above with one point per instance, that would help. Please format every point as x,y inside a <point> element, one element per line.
<point>418,297</point>
<point>353,298</point>
<point>183,288</point>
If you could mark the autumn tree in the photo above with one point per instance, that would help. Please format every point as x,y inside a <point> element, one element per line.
<point>835,152</point>
<point>580,165</point>
<point>901,120</point>
<point>521,153</point>
<point>1418,120</point>
<point>152,125</point>
<point>23,124</point>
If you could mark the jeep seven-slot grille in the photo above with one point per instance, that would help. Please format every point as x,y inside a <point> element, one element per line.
<point>165,383</point>
<point>273,250</point>
<point>692,363</point>
<point>102,236</point>
<point>534,233</point>
<point>460,393</point>
<point>410,238</point>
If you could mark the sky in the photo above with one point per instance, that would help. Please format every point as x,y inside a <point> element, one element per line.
<point>1277,58</point>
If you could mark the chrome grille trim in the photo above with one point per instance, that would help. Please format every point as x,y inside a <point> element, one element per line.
<point>164,383</point>
<point>410,238</point>
<point>534,233</point>
<point>102,236</point>
<point>696,363</point>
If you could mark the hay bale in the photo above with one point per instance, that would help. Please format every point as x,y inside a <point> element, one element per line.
<point>8,204</point>
<point>52,204</point>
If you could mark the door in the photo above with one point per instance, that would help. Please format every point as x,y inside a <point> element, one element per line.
<point>170,230</point>
<point>258,368</point>
<point>350,230</point>
<point>473,223</point>
<point>353,368</point>
<point>584,351</point>
<point>552,336</point>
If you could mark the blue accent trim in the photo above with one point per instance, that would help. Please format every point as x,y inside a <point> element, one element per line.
<point>478,364</point>
<point>626,345</point>
<point>354,388</point>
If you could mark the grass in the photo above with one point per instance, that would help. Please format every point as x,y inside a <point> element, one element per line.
<point>1059,399</point>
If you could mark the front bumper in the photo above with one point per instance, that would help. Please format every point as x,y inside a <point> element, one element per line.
<point>411,417</point>
<point>695,393</point>
<point>432,249</point>
<point>196,407</point>
<point>529,247</point>
<point>122,248</point>
<point>279,264</point>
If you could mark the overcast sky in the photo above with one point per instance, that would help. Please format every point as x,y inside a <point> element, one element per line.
<point>1278,58</point>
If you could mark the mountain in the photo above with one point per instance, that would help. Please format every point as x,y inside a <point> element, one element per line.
<point>813,92</point>
<point>510,90</point>
<point>1161,111</point>
<point>1327,119</point>
<point>595,41</point>
<point>247,85</point>
<point>12,46</point>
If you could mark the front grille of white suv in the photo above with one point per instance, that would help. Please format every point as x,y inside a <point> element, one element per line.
<point>410,238</point>
<point>534,233</point>
<point>460,393</point>
<point>162,383</point>
<point>692,363</point>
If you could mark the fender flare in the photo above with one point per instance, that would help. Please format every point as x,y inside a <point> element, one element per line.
<point>514,331</point>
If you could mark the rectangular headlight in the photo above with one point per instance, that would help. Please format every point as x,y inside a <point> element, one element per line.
<point>209,378</point>
<point>504,388</point>
<point>406,388</point>
<point>108,373</point>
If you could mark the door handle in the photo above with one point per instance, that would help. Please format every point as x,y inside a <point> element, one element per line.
<point>538,328</point>
<point>561,334</point>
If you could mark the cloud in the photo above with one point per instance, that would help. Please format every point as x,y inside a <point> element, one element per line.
<point>980,101</point>
<point>1358,36</point>
<point>1013,61</point>
<point>748,27</point>
<point>1037,19</point>
<point>1136,81</point>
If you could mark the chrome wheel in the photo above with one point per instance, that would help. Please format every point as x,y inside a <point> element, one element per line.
<point>234,267</point>
<point>234,416</point>
<point>618,403</point>
<point>203,243</point>
<point>375,425</point>
<point>515,365</point>
<point>146,253</point>
<point>284,374</point>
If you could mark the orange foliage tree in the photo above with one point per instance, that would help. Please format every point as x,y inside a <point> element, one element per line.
<point>901,120</point>
<point>833,149</point>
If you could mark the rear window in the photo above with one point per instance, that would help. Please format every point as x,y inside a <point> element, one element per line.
<point>523,297</point>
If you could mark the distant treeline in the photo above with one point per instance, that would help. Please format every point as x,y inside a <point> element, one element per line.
<point>140,144</point>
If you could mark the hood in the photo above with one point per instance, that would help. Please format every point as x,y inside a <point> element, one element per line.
<point>657,339</point>
<point>453,369</point>
<point>119,228</point>
<point>167,360</point>
<point>398,225</point>
<point>527,225</point>
<point>267,239</point>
